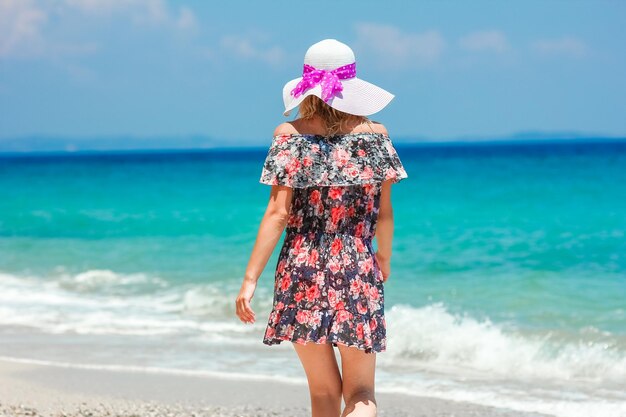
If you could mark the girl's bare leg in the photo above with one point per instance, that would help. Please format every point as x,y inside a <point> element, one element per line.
<point>322,372</point>
<point>358,373</point>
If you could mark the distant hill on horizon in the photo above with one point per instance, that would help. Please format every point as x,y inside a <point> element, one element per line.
<point>127,143</point>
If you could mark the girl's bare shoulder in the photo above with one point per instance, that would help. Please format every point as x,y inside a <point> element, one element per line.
<point>286,128</point>
<point>296,126</point>
<point>377,127</point>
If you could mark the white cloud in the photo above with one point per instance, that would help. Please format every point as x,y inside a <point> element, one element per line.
<point>487,40</point>
<point>567,45</point>
<point>21,22</point>
<point>139,11</point>
<point>243,47</point>
<point>24,34</point>
<point>394,48</point>
<point>186,19</point>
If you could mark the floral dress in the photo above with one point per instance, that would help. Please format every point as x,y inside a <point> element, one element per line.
<point>328,285</point>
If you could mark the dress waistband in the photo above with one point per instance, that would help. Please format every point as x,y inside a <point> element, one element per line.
<point>323,234</point>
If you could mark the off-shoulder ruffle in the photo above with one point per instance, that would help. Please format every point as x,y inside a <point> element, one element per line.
<point>352,329</point>
<point>305,160</point>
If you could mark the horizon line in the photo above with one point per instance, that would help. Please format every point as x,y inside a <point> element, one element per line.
<point>256,148</point>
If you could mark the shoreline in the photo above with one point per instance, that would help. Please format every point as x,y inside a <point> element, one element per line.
<point>31,389</point>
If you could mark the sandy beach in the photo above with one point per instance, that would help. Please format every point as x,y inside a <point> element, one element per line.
<point>28,389</point>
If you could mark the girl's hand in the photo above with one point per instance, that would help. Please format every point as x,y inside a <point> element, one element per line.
<point>384,265</point>
<point>242,303</point>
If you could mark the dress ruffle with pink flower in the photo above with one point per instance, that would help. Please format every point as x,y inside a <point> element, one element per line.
<point>328,286</point>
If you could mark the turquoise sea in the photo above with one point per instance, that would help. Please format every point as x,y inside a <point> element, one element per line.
<point>508,283</point>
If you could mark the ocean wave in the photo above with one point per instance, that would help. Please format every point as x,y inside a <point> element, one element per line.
<point>99,302</point>
<point>102,302</point>
<point>104,280</point>
<point>431,337</point>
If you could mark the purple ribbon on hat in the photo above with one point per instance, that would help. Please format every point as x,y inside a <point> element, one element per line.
<point>330,80</point>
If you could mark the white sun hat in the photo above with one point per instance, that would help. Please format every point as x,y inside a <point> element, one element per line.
<point>330,74</point>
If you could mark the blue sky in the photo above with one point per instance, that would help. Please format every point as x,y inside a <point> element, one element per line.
<point>459,69</point>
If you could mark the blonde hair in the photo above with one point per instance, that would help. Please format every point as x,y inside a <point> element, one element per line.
<point>333,119</point>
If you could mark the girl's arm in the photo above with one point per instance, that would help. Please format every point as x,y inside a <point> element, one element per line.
<point>271,228</point>
<point>384,230</point>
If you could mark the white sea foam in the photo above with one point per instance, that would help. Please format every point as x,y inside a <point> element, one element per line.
<point>104,280</point>
<point>432,338</point>
<point>427,338</point>
<point>89,304</point>
<point>238,376</point>
<point>560,402</point>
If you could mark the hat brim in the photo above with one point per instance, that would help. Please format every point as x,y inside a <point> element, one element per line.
<point>358,97</point>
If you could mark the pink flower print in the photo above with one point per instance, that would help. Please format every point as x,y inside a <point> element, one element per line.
<point>374,294</point>
<point>335,193</point>
<point>340,156</point>
<point>295,220</point>
<point>332,297</point>
<point>343,315</point>
<point>307,161</point>
<point>301,254</point>
<point>337,213</point>
<point>336,327</point>
<point>340,305</point>
<point>315,197</point>
<point>361,308</point>
<point>390,173</point>
<point>270,332</point>
<point>283,157</point>
<point>285,283</point>
<point>299,296</point>
<point>336,247</point>
<point>297,242</point>
<point>280,268</point>
<point>355,287</point>
<point>302,316</point>
<point>313,257</point>
<point>347,259</point>
<point>374,305</point>
<point>312,293</point>
<point>373,324</point>
<point>302,257</point>
<point>359,331</point>
<point>319,278</point>
<point>361,152</point>
<point>366,266</point>
<point>351,171</point>
<point>293,166</point>
<point>315,320</point>
<point>277,315</point>
<point>367,173</point>
<point>334,266</point>
<point>360,247</point>
<point>358,230</point>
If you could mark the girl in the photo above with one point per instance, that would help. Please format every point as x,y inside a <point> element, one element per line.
<point>331,172</point>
